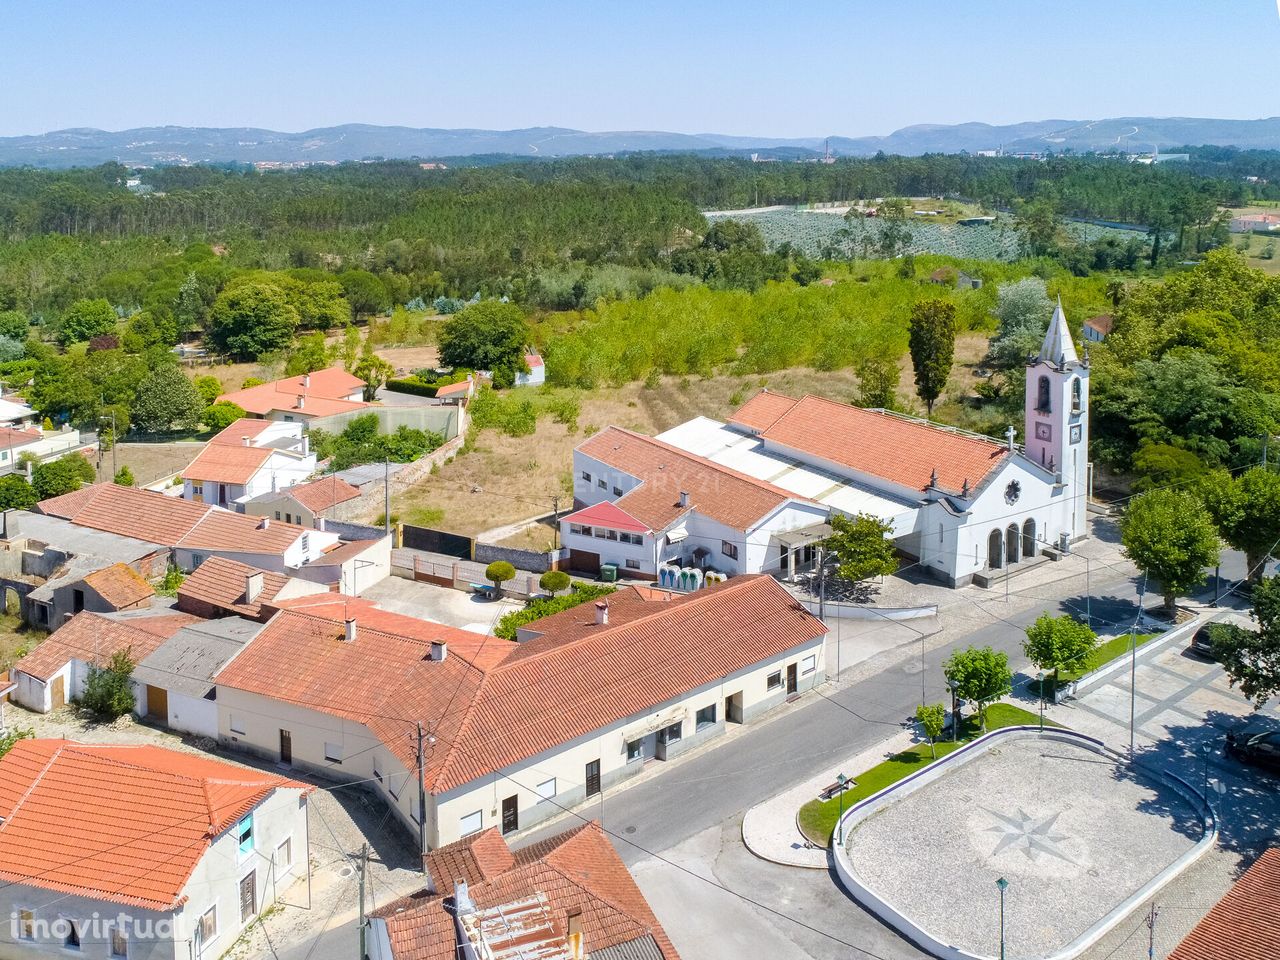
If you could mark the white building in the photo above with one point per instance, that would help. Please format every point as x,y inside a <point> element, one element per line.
<point>246,460</point>
<point>537,374</point>
<point>512,733</point>
<point>752,495</point>
<point>137,852</point>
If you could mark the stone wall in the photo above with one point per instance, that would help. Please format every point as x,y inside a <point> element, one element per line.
<point>533,560</point>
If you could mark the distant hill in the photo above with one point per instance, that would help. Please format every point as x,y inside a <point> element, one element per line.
<point>157,145</point>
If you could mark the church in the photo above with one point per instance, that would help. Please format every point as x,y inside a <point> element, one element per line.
<point>711,499</point>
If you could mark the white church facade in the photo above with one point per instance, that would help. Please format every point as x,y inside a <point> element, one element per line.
<point>709,499</point>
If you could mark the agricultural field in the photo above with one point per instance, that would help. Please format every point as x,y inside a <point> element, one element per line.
<point>1261,252</point>
<point>823,233</point>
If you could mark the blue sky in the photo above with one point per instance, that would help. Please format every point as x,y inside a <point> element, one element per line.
<point>760,68</point>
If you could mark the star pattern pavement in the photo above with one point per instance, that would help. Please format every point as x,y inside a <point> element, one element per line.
<point>1033,837</point>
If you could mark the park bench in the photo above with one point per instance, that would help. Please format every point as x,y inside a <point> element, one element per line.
<point>831,789</point>
<point>484,589</point>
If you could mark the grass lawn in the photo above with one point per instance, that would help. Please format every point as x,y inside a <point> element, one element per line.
<point>16,639</point>
<point>1113,649</point>
<point>818,818</point>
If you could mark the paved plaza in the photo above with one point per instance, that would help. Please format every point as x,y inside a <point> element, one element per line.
<point>1074,833</point>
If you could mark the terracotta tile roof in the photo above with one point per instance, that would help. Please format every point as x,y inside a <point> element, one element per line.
<point>170,521</point>
<point>1243,925</point>
<point>1103,323</point>
<point>120,585</point>
<point>732,498</point>
<point>95,638</point>
<point>763,410</point>
<point>454,389</point>
<point>325,393</point>
<point>576,622</point>
<point>10,438</point>
<point>606,514</point>
<point>320,495</point>
<point>221,583</point>
<point>234,434</point>
<point>902,451</point>
<point>227,463</point>
<point>576,873</point>
<point>491,703</point>
<point>127,824</point>
<point>474,859</point>
<point>343,552</point>
<point>533,360</point>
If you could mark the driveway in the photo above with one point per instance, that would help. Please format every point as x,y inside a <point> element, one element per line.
<point>427,601</point>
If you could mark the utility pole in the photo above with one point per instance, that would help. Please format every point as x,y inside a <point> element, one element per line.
<point>555,505</point>
<point>1151,932</point>
<point>1133,667</point>
<point>364,870</point>
<point>422,807</point>
<point>386,495</point>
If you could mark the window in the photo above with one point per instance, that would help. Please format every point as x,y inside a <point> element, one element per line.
<point>206,927</point>
<point>77,600</point>
<point>119,941</point>
<point>611,534</point>
<point>196,560</point>
<point>673,733</point>
<point>631,538</point>
<point>580,530</point>
<point>236,724</point>
<point>586,476</point>
<point>599,533</point>
<point>471,823</point>
<point>306,540</point>
<point>633,564</point>
<point>617,491</point>
<point>197,488</point>
<point>730,550</point>
<point>244,835</point>
<point>635,750</point>
<point>547,789</point>
<point>26,925</point>
<point>602,484</point>
<point>71,939</point>
<point>774,681</point>
<point>333,752</point>
<point>1042,395</point>
<point>248,896</point>
<point>1077,400</point>
<point>277,514</point>
<point>284,854</point>
<point>808,664</point>
<point>706,717</point>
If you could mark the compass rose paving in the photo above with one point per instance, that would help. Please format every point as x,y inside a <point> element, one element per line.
<point>1074,833</point>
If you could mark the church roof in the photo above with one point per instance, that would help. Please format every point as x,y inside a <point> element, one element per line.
<point>1058,347</point>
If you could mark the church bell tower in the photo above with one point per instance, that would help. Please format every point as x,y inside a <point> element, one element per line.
<point>1057,418</point>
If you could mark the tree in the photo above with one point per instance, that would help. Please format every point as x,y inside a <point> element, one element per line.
<point>932,717</point>
<point>553,581</point>
<point>1171,538</point>
<point>308,354</point>
<point>12,735</point>
<point>981,674</point>
<point>499,572</point>
<point>123,477</point>
<point>218,416</point>
<point>1246,509</point>
<point>14,325</point>
<point>108,691</point>
<point>932,343</point>
<point>1022,313</point>
<point>189,306</point>
<point>210,388</point>
<point>1251,658</point>
<point>489,335</point>
<point>1056,642</point>
<point>365,293</point>
<point>16,493</point>
<point>863,547</point>
<point>250,319</point>
<point>85,319</point>
<point>878,382</point>
<point>167,400</point>
<point>375,372</point>
<point>60,476</point>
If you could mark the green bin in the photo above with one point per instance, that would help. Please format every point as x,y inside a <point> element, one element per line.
<point>609,572</point>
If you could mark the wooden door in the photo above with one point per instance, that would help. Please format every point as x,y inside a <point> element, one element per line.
<point>793,680</point>
<point>593,778</point>
<point>58,693</point>
<point>248,896</point>
<point>158,703</point>
<point>286,747</point>
<point>510,815</point>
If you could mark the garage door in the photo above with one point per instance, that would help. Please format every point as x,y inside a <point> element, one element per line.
<point>582,561</point>
<point>158,703</point>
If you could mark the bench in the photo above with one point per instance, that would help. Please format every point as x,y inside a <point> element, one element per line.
<point>484,589</point>
<point>831,789</point>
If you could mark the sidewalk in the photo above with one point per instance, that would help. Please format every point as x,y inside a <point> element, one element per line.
<point>769,829</point>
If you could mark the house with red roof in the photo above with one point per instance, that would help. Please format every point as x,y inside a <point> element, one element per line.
<point>568,897</point>
<point>306,503</point>
<point>708,499</point>
<point>537,374</point>
<point>247,459</point>
<point>111,850</point>
<point>321,393</point>
<point>512,732</point>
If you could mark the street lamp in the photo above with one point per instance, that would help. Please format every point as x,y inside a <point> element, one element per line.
<point>955,710</point>
<point>1002,883</point>
<point>1206,748</point>
<point>1040,682</point>
<point>842,781</point>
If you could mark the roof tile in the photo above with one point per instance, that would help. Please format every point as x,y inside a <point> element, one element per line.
<point>1243,925</point>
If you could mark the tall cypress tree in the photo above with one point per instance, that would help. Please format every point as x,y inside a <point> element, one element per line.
<point>933,347</point>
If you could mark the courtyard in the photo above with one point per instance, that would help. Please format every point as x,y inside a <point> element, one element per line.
<point>1075,833</point>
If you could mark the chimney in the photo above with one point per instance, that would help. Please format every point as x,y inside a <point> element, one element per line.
<point>462,898</point>
<point>302,402</point>
<point>350,630</point>
<point>245,441</point>
<point>576,951</point>
<point>266,522</point>
<point>306,381</point>
<point>306,445</point>
<point>320,524</point>
<point>684,499</point>
<point>439,650</point>
<point>602,613</point>
<point>252,586</point>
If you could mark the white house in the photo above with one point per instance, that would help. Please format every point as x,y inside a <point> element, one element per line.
<point>137,852</point>
<point>321,393</point>
<point>960,505</point>
<point>511,733</point>
<point>537,374</point>
<point>247,459</point>
<point>43,445</point>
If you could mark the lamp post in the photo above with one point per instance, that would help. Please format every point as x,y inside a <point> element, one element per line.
<point>1206,748</point>
<point>1040,682</point>
<point>1002,883</point>
<point>955,710</point>
<point>842,780</point>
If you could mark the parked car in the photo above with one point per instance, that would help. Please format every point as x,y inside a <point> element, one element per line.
<point>1258,747</point>
<point>1202,642</point>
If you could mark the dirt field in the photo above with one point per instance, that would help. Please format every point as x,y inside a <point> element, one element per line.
<point>148,461</point>
<point>506,479</point>
<point>233,375</point>
<point>1252,246</point>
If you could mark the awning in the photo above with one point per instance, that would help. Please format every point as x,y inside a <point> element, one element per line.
<point>655,723</point>
<point>677,534</point>
<point>805,536</point>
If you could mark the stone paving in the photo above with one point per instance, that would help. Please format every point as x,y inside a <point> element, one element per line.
<point>1074,835</point>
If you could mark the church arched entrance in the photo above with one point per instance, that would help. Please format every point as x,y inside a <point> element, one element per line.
<point>1012,544</point>
<point>995,550</point>
<point>1029,538</point>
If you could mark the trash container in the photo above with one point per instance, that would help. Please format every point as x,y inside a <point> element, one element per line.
<point>609,572</point>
